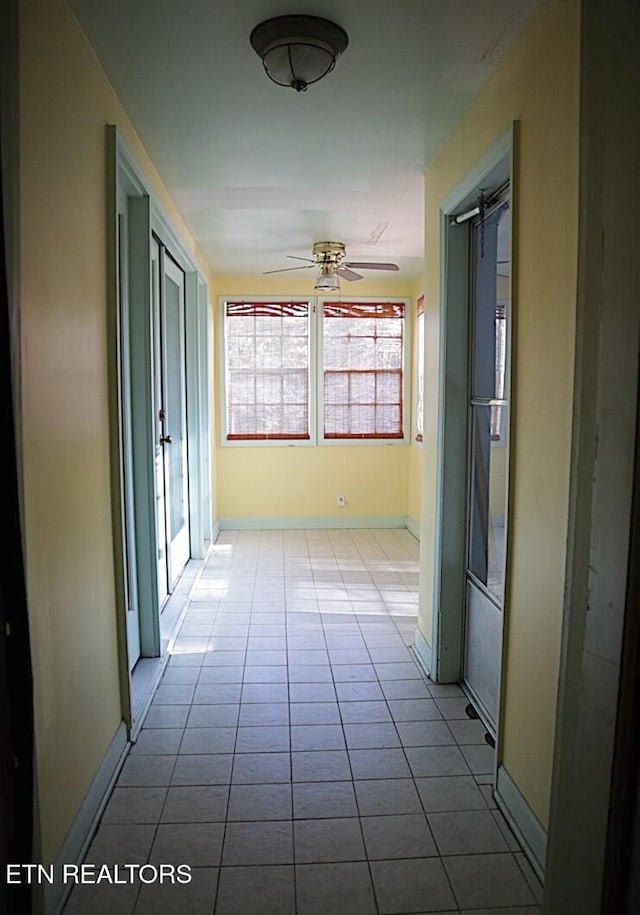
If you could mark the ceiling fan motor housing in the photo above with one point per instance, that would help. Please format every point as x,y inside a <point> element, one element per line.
<point>328,252</point>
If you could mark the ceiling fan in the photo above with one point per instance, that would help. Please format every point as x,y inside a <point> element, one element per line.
<point>328,257</point>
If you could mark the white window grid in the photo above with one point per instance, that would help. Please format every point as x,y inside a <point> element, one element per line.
<point>316,375</point>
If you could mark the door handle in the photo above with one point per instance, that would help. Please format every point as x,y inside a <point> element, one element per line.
<point>165,439</point>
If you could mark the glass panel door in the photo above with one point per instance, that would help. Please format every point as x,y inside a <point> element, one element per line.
<point>170,405</point>
<point>124,368</point>
<point>158,399</point>
<point>487,459</point>
<point>173,418</point>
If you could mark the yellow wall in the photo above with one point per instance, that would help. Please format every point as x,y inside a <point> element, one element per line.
<point>65,103</point>
<point>537,85</point>
<point>414,495</point>
<point>303,481</point>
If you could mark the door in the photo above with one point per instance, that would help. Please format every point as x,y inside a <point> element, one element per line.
<point>170,395</point>
<point>487,456</point>
<point>128,533</point>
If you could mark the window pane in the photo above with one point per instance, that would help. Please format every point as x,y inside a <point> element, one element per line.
<point>363,369</point>
<point>336,387</point>
<point>387,416</point>
<point>491,287</point>
<point>267,370</point>
<point>487,504</point>
<point>388,387</point>
<point>363,387</point>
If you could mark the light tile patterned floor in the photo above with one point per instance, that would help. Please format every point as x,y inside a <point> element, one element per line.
<point>297,759</point>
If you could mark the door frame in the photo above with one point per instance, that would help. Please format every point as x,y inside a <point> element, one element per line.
<point>132,202</point>
<point>492,171</point>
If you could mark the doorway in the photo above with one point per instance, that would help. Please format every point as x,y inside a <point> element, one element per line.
<point>470,553</point>
<point>487,454</point>
<point>160,409</point>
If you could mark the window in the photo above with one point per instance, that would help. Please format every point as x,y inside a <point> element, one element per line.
<point>267,370</point>
<point>420,369</point>
<point>363,356</point>
<point>281,386</point>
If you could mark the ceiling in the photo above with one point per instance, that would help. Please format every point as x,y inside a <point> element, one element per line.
<point>259,171</point>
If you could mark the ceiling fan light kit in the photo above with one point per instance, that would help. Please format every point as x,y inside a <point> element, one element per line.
<point>327,279</point>
<point>297,51</point>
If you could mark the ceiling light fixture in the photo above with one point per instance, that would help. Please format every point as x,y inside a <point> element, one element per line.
<point>297,51</point>
<point>328,279</point>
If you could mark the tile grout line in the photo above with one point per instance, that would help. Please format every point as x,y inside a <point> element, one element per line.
<point>327,574</point>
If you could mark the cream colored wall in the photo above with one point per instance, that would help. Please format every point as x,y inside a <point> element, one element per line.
<point>537,85</point>
<point>414,495</point>
<point>303,481</point>
<point>65,103</point>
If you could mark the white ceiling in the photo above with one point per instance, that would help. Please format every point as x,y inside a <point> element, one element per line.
<point>259,171</point>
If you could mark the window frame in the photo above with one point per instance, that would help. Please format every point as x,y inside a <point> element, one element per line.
<point>316,374</point>
<point>222,374</point>
<point>406,369</point>
<point>418,404</point>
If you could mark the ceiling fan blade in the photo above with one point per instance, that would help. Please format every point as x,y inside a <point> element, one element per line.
<point>379,266</point>
<point>287,269</point>
<point>347,274</point>
<point>308,259</point>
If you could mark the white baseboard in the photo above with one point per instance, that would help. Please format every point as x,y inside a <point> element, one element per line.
<point>423,652</point>
<point>414,528</point>
<point>522,820</point>
<point>215,531</point>
<point>331,522</point>
<point>82,829</point>
<point>145,679</point>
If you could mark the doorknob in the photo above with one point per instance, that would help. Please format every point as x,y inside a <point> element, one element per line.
<point>165,439</point>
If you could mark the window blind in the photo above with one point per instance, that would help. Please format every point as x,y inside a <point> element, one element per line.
<point>267,370</point>
<point>363,352</point>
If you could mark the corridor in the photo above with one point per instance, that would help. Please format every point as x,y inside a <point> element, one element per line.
<point>296,758</point>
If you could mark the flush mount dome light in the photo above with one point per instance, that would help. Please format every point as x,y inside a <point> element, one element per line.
<point>297,51</point>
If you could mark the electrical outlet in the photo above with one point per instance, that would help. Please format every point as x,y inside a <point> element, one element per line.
<point>341,501</point>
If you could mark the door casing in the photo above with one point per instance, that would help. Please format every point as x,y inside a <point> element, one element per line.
<point>494,170</point>
<point>131,198</point>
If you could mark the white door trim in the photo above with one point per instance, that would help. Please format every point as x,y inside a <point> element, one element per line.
<point>131,196</point>
<point>495,167</point>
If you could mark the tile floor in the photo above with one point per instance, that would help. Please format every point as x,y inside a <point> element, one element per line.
<point>296,757</point>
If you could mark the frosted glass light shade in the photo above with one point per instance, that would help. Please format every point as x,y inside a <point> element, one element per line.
<point>297,51</point>
<point>328,280</point>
